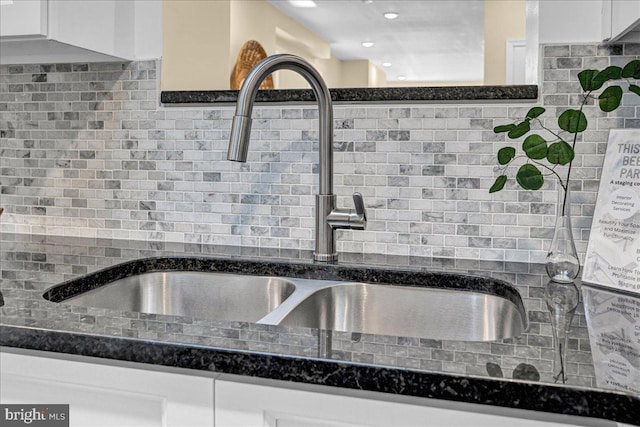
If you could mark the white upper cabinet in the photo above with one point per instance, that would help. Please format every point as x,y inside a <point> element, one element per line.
<point>621,21</point>
<point>45,31</point>
<point>23,18</point>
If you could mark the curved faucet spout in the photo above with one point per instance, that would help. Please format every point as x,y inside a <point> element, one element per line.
<point>328,218</point>
<point>241,125</point>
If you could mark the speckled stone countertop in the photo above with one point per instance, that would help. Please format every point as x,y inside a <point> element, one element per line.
<point>363,95</point>
<point>421,367</point>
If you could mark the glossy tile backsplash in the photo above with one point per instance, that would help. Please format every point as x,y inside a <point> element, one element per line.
<point>86,151</point>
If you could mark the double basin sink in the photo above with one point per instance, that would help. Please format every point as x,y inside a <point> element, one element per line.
<point>374,301</point>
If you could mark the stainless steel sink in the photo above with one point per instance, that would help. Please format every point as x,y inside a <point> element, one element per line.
<point>217,296</point>
<point>412,304</point>
<point>408,311</point>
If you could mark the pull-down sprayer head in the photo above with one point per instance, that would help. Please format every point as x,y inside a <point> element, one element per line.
<point>239,139</point>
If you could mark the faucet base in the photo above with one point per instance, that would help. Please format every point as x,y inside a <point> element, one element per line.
<point>325,257</point>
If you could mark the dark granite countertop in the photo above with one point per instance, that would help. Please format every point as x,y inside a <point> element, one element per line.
<point>421,367</point>
<point>363,95</point>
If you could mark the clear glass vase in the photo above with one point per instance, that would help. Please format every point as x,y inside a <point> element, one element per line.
<point>563,264</point>
<point>562,300</point>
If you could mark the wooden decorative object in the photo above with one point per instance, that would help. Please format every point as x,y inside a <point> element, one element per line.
<point>250,54</point>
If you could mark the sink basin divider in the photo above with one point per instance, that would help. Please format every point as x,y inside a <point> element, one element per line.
<point>304,288</point>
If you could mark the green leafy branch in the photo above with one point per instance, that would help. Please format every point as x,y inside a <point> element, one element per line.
<point>542,155</point>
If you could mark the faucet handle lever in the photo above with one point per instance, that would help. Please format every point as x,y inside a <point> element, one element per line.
<point>354,219</point>
<point>358,202</point>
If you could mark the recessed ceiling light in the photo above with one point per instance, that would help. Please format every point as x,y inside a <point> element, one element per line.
<point>386,64</point>
<point>390,15</point>
<point>402,78</point>
<point>367,1</point>
<point>303,3</point>
<point>367,44</point>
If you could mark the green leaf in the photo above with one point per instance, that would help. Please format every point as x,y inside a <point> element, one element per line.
<point>635,89</point>
<point>535,147</point>
<point>519,130</point>
<point>610,73</point>
<point>610,99</point>
<point>498,184</point>
<point>535,112</point>
<point>560,153</point>
<point>529,177</point>
<point>586,79</point>
<point>506,154</point>
<point>573,121</point>
<point>632,70</point>
<point>503,128</point>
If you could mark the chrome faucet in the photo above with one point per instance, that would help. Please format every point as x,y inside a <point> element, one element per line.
<point>328,217</point>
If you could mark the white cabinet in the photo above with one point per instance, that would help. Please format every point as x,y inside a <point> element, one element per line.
<point>621,20</point>
<point>250,405</point>
<point>59,31</point>
<point>100,395</point>
<point>23,18</point>
<point>566,21</point>
<point>105,396</point>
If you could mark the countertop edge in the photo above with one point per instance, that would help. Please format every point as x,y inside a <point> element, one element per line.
<point>522,93</point>
<point>398,381</point>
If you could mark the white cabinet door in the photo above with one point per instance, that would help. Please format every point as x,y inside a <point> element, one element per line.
<point>68,31</point>
<point>100,395</point>
<point>23,18</point>
<point>250,405</point>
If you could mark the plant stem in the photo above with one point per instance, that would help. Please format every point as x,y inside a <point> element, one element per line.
<point>573,146</point>
<point>549,130</point>
<point>552,170</point>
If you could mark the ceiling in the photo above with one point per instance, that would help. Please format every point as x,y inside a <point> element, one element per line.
<point>429,41</point>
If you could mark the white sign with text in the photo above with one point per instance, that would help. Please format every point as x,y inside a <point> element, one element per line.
<point>613,254</point>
